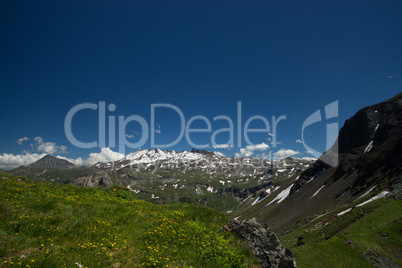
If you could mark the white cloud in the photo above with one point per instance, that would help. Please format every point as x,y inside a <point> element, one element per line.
<point>104,156</point>
<point>392,76</point>
<point>9,161</point>
<point>222,146</point>
<point>259,147</point>
<point>249,150</point>
<point>245,153</point>
<point>21,140</point>
<point>283,153</point>
<point>309,152</point>
<point>129,136</point>
<point>48,147</point>
<point>309,158</point>
<point>299,141</point>
<point>159,129</point>
<point>77,161</point>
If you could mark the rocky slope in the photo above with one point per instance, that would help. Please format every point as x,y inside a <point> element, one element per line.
<point>370,162</point>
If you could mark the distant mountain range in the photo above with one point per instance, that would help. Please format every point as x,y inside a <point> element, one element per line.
<point>285,192</point>
<point>163,176</point>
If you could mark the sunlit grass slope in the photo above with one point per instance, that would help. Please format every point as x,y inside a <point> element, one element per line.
<point>47,225</point>
<point>372,232</point>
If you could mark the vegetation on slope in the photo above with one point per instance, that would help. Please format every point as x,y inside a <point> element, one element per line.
<point>55,225</point>
<point>367,235</point>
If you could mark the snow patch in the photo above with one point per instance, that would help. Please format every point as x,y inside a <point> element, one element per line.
<point>343,212</point>
<point>132,190</point>
<point>317,192</point>
<point>219,154</point>
<point>366,193</point>
<point>152,156</point>
<point>281,196</point>
<point>380,195</point>
<point>368,147</point>
<point>258,200</point>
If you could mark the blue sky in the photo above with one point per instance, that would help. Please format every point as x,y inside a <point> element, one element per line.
<point>277,58</point>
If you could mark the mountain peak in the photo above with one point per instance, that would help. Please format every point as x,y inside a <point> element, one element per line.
<point>49,162</point>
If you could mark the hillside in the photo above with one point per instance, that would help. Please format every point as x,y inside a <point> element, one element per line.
<point>162,176</point>
<point>55,225</point>
<point>348,215</point>
<point>367,236</point>
<point>370,150</point>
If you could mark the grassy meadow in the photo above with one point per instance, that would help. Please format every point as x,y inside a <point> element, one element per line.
<point>56,225</point>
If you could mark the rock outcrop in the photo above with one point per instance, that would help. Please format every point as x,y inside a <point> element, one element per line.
<point>94,180</point>
<point>262,242</point>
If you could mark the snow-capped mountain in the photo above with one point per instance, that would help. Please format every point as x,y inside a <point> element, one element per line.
<point>143,159</point>
<point>150,156</point>
<point>163,176</point>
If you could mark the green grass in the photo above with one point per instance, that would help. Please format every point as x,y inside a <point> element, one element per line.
<point>372,230</point>
<point>54,225</point>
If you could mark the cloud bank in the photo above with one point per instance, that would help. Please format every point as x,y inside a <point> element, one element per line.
<point>222,146</point>
<point>283,153</point>
<point>249,150</point>
<point>9,161</point>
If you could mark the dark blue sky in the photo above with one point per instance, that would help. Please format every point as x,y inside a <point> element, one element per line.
<point>276,57</point>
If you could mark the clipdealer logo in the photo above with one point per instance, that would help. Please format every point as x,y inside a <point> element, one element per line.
<point>117,124</point>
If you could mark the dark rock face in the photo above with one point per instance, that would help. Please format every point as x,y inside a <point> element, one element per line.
<point>49,162</point>
<point>369,147</point>
<point>263,243</point>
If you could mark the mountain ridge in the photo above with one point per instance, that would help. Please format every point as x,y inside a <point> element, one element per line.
<point>370,151</point>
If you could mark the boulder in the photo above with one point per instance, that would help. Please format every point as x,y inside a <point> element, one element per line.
<point>263,243</point>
